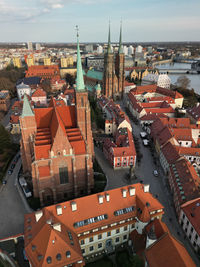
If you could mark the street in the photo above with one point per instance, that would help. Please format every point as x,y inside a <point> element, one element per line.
<point>12,208</point>
<point>144,172</point>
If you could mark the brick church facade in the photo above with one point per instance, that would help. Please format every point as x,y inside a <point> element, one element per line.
<point>114,75</point>
<point>57,146</point>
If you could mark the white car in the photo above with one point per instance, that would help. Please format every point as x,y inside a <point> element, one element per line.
<point>155,173</point>
<point>143,134</point>
<point>145,142</point>
<point>27,192</point>
<point>22,181</point>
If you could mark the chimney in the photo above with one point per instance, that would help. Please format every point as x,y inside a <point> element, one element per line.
<point>146,188</point>
<point>74,206</point>
<point>100,199</point>
<point>38,215</point>
<point>124,192</point>
<point>107,197</point>
<point>59,210</point>
<point>57,227</point>
<point>132,191</point>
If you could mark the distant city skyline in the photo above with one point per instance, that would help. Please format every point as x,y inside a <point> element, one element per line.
<point>55,20</point>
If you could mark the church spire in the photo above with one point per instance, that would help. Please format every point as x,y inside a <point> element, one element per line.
<point>26,111</point>
<point>120,40</point>
<point>109,44</point>
<point>80,86</point>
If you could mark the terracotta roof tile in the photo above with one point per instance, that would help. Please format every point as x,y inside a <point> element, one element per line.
<point>171,253</point>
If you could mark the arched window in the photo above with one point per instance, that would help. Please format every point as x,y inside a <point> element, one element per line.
<point>82,102</point>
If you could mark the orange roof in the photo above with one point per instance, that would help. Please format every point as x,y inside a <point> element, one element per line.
<point>168,251</point>
<point>39,92</point>
<point>192,211</point>
<point>157,228</point>
<point>56,233</point>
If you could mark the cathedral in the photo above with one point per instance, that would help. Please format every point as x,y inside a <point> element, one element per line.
<point>114,75</point>
<point>57,146</point>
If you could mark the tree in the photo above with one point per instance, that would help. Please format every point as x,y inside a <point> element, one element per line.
<point>70,79</point>
<point>183,82</point>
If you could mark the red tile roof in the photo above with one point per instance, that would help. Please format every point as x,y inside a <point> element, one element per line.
<point>192,211</point>
<point>39,235</point>
<point>170,153</point>
<point>39,92</point>
<point>186,181</point>
<point>55,119</point>
<point>168,251</point>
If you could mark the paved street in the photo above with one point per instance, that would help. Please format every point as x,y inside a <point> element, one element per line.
<point>116,178</point>
<point>12,208</point>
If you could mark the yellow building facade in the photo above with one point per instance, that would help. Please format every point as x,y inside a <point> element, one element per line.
<point>66,62</point>
<point>17,62</point>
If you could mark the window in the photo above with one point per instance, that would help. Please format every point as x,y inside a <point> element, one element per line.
<point>190,236</point>
<point>187,222</point>
<point>196,236</point>
<point>99,236</point>
<point>194,244</point>
<point>63,172</point>
<point>83,251</point>
<point>125,237</point>
<point>185,229</point>
<point>192,229</point>
<point>117,231</point>
<point>108,233</point>
<point>183,216</point>
<point>100,245</point>
<point>82,242</point>
<point>91,248</point>
<point>91,239</point>
<point>117,239</point>
<point>82,102</point>
<point>125,228</point>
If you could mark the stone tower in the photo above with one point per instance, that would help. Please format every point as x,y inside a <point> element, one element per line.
<point>28,129</point>
<point>119,66</point>
<point>109,70</point>
<point>83,116</point>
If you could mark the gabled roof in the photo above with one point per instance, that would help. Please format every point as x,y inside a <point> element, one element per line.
<point>94,74</point>
<point>168,251</point>
<point>192,211</point>
<point>54,231</point>
<point>39,92</point>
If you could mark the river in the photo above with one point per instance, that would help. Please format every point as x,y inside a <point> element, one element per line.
<point>194,78</point>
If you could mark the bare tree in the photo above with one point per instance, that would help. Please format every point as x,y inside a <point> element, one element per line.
<point>183,82</point>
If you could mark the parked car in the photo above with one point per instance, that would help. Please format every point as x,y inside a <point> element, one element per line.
<point>4,182</point>
<point>12,166</point>
<point>143,134</point>
<point>10,172</point>
<point>27,192</point>
<point>155,173</point>
<point>22,181</point>
<point>145,142</point>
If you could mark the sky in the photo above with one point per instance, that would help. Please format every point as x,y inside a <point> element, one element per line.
<point>55,20</point>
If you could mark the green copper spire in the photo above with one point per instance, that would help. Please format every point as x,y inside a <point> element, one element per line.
<point>120,40</point>
<point>26,111</point>
<point>80,86</point>
<point>109,44</point>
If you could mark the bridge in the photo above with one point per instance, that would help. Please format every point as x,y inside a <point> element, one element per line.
<point>178,71</point>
